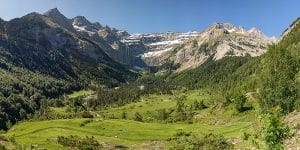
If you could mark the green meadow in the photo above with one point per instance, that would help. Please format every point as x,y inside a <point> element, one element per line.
<point>150,133</point>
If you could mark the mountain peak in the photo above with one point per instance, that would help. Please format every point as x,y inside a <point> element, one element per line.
<point>220,25</point>
<point>256,32</point>
<point>81,21</point>
<point>53,11</point>
<point>59,18</point>
<point>80,18</point>
<point>224,27</point>
<point>218,29</point>
<point>56,15</point>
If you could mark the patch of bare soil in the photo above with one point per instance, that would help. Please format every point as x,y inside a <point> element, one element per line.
<point>293,120</point>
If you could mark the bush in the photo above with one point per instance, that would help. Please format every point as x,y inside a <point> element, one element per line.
<point>198,105</point>
<point>208,142</point>
<point>274,130</point>
<point>182,133</point>
<point>138,117</point>
<point>212,141</point>
<point>85,122</point>
<point>181,116</point>
<point>86,114</point>
<point>180,107</point>
<point>162,114</point>
<point>239,101</point>
<point>245,136</point>
<point>2,147</point>
<point>74,142</point>
<point>123,115</point>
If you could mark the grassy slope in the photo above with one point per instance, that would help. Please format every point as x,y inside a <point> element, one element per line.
<point>125,132</point>
<point>80,93</point>
<point>140,134</point>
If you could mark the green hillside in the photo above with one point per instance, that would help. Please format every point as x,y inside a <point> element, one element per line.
<point>41,61</point>
<point>135,134</point>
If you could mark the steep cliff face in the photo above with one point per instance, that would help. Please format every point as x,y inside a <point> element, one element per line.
<point>105,37</point>
<point>151,47</point>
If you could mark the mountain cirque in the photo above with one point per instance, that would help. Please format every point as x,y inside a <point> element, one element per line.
<point>180,50</point>
<point>191,49</point>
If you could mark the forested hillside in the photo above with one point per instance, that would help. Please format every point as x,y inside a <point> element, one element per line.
<point>40,60</point>
<point>279,72</point>
<point>273,75</point>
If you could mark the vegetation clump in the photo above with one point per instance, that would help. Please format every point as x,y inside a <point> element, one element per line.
<point>274,130</point>
<point>208,142</point>
<point>75,142</point>
<point>138,117</point>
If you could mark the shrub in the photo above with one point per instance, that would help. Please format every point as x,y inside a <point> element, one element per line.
<point>74,142</point>
<point>207,142</point>
<point>239,101</point>
<point>180,116</point>
<point>2,147</point>
<point>85,122</point>
<point>86,114</point>
<point>180,104</point>
<point>212,141</point>
<point>182,133</point>
<point>138,117</point>
<point>274,130</point>
<point>198,105</point>
<point>123,115</point>
<point>245,136</point>
<point>162,114</point>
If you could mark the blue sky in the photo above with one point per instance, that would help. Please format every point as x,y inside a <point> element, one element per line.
<point>145,16</point>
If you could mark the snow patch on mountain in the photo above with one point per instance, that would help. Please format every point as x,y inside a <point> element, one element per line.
<point>155,53</point>
<point>177,41</point>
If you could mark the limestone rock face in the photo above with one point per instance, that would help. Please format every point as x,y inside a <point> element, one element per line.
<point>192,49</point>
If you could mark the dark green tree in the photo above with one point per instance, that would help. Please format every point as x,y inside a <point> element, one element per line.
<point>239,101</point>
<point>278,74</point>
<point>180,107</point>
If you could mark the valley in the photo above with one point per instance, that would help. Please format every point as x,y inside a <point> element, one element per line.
<point>69,83</point>
<point>150,133</point>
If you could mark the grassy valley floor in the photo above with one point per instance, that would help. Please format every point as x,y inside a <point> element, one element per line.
<point>110,130</point>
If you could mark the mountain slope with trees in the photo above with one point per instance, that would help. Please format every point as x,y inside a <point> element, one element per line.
<point>40,60</point>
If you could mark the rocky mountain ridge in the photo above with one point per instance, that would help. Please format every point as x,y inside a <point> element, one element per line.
<point>105,37</point>
<point>49,45</point>
<point>191,49</point>
<point>183,50</point>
